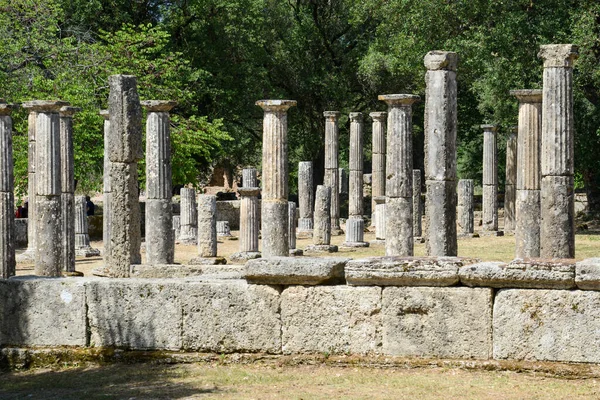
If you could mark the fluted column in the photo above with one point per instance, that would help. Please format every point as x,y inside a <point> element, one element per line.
<point>322,222</point>
<point>160,243</point>
<point>7,201</point>
<point>292,227</point>
<point>68,186</point>
<point>527,207</point>
<point>342,183</point>
<point>510,187</point>
<point>207,229</point>
<point>188,217</point>
<point>249,217</point>
<point>440,153</point>
<point>490,180</point>
<point>378,161</point>
<point>124,152</point>
<point>379,221</point>
<point>398,186</point>
<point>465,208</point>
<point>29,253</point>
<point>106,188</point>
<point>417,208</point>
<point>355,225</point>
<point>332,178</point>
<point>274,213</point>
<point>305,196</point>
<point>82,237</point>
<point>557,234</point>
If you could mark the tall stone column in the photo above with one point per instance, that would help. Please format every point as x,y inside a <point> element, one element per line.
<point>510,188</point>
<point>82,237</point>
<point>274,213</point>
<point>207,231</point>
<point>124,152</point>
<point>440,153</point>
<point>68,187</point>
<point>557,234</point>
<point>465,208</point>
<point>305,197</point>
<point>160,242</point>
<point>48,188</point>
<point>343,182</point>
<point>249,178</point>
<point>355,225</point>
<point>417,207</point>
<point>528,211</point>
<point>106,188</point>
<point>398,187</point>
<point>490,181</point>
<point>249,217</point>
<point>7,200</point>
<point>189,217</point>
<point>292,229</point>
<point>332,178</point>
<point>378,161</point>
<point>322,222</point>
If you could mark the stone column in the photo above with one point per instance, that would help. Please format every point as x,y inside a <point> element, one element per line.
<point>557,235</point>
<point>332,173</point>
<point>378,162</point>
<point>68,187</point>
<point>343,182</point>
<point>510,188</point>
<point>379,221</point>
<point>355,225</point>
<point>274,213</point>
<point>528,211</point>
<point>490,181</point>
<point>292,227</point>
<point>249,217</point>
<point>223,229</point>
<point>305,197</point>
<point>465,208</point>
<point>48,188</point>
<point>106,189</point>
<point>322,230</point>
<point>7,200</point>
<point>440,153</point>
<point>124,152</point>
<point>249,179</point>
<point>160,243</point>
<point>417,206</point>
<point>207,231</point>
<point>189,217</point>
<point>398,186</point>
<point>82,237</point>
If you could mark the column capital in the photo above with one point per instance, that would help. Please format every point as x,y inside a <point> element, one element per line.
<point>558,55</point>
<point>527,95</point>
<point>441,60</point>
<point>379,199</point>
<point>5,108</point>
<point>356,117</point>
<point>380,116</point>
<point>68,111</point>
<point>158,105</point>
<point>276,105</point>
<point>43,106</point>
<point>489,128</point>
<point>331,115</point>
<point>249,191</point>
<point>399,100</point>
<point>104,114</point>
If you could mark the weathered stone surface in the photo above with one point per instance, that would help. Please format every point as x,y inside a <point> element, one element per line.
<point>223,229</point>
<point>441,60</point>
<point>43,312</point>
<point>332,319</point>
<point>378,157</point>
<point>511,182</point>
<point>249,178</point>
<point>231,317</point>
<point>204,272</point>
<point>557,231</point>
<point>249,222</point>
<point>7,236</point>
<point>440,219</point>
<point>67,201</point>
<point>437,322</point>
<point>398,226</point>
<point>305,196</point>
<point>125,113</point>
<point>343,183</point>
<point>295,271</point>
<point>322,219</point>
<point>416,203</point>
<point>207,225</point>
<point>465,206</point>
<point>530,273</point>
<point>527,233</point>
<point>189,216</point>
<point>558,55</point>
<point>380,225</point>
<point>275,229</point>
<point>553,325</point>
<point>355,233</point>
<point>49,243</point>
<point>405,271</point>
<point>6,154</point>
<point>243,256</point>
<point>208,261</point>
<point>160,240</point>
<point>529,138</point>
<point>490,208</point>
<point>332,180</point>
<point>158,154</point>
<point>587,274</point>
<point>320,249</point>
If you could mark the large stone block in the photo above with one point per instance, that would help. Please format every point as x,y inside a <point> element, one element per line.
<point>552,325</point>
<point>587,274</point>
<point>437,322</point>
<point>295,271</point>
<point>231,317</point>
<point>332,319</point>
<point>440,218</point>
<point>43,312</point>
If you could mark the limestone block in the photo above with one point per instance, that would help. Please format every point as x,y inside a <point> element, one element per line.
<point>399,226</point>
<point>552,325</point>
<point>320,249</point>
<point>275,228</point>
<point>231,317</point>
<point>295,271</point>
<point>437,322</point>
<point>440,219</point>
<point>557,231</point>
<point>49,236</point>
<point>587,274</point>
<point>332,319</point>
<point>528,217</point>
<point>43,312</point>
<point>530,273</point>
<point>125,111</point>
<point>405,271</point>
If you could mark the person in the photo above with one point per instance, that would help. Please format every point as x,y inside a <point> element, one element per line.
<point>90,207</point>
<point>19,212</point>
<point>25,210</point>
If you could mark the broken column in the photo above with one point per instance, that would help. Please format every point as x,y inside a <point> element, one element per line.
<point>7,200</point>
<point>322,222</point>
<point>465,208</point>
<point>557,235</point>
<point>510,187</point>
<point>527,207</point>
<point>440,153</point>
<point>82,237</point>
<point>188,217</point>
<point>292,226</point>
<point>417,207</point>
<point>305,197</point>
<point>378,162</point>
<point>160,243</point>
<point>379,221</point>
<point>68,187</point>
<point>355,225</point>
<point>398,186</point>
<point>207,232</point>
<point>106,188</point>
<point>249,217</point>
<point>29,253</point>
<point>124,152</point>
<point>223,229</point>
<point>332,177</point>
<point>274,209</point>
<point>490,181</point>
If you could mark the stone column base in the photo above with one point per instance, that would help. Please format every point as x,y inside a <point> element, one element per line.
<point>490,233</point>
<point>355,244</point>
<point>87,252</point>
<point>468,235</point>
<point>208,261</point>
<point>245,256</point>
<point>27,255</point>
<point>320,248</point>
<point>377,242</point>
<point>296,252</point>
